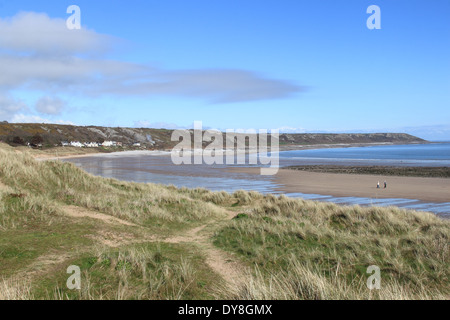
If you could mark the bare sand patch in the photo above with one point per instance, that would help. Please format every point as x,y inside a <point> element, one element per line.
<point>221,262</point>
<point>79,212</point>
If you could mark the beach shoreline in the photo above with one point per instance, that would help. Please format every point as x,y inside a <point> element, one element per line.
<point>43,157</point>
<point>310,182</point>
<point>71,153</point>
<point>358,185</point>
<point>385,170</point>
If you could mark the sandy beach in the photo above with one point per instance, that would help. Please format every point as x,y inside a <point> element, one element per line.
<point>127,153</point>
<point>61,153</point>
<point>354,185</point>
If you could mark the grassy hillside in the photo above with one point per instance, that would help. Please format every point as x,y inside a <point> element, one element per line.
<point>147,241</point>
<point>161,138</point>
<point>53,134</point>
<point>348,138</point>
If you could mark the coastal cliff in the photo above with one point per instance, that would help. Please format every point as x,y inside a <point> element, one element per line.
<point>53,134</point>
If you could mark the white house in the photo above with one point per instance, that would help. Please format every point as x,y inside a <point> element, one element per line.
<point>91,144</point>
<point>76,144</point>
<point>109,143</point>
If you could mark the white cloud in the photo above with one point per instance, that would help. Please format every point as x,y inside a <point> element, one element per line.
<point>156,125</point>
<point>38,33</point>
<point>108,77</point>
<point>10,106</point>
<point>60,72</point>
<point>291,130</point>
<point>49,105</point>
<point>15,110</point>
<point>39,52</point>
<point>215,85</point>
<point>22,118</point>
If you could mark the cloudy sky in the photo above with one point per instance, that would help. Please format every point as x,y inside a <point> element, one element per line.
<point>303,66</point>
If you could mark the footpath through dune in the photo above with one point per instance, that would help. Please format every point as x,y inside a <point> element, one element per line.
<point>221,262</point>
<point>79,212</point>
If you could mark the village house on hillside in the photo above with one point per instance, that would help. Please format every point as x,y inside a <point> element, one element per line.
<point>109,144</point>
<point>76,144</point>
<point>91,144</point>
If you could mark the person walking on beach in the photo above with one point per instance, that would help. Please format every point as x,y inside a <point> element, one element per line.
<point>385,184</point>
<point>378,185</point>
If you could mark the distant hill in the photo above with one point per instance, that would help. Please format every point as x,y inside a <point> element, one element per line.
<point>53,134</point>
<point>349,138</point>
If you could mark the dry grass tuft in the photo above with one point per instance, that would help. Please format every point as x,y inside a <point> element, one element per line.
<point>15,289</point>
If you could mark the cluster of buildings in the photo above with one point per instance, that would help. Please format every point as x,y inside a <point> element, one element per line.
<point>79,144</point>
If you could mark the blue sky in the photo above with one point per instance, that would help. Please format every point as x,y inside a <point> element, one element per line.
<point>304,66</point>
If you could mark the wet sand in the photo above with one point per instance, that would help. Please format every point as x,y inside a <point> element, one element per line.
<point>355,185</point>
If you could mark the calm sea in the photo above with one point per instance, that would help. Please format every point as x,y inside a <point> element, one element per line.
<point>160,169</point>
<point>435,154</point>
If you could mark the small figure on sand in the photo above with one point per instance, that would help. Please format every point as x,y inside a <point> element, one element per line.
<point>385,184</point>
<point>378,185</point>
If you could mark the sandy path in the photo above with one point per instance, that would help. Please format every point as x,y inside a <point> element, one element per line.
<point>221,262</point>
<point>108,238</point>
<point>355,185</point>
<point>226,266</point>
<point>79,212</point>
<point>111,239</point>
<point>41,265</point>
